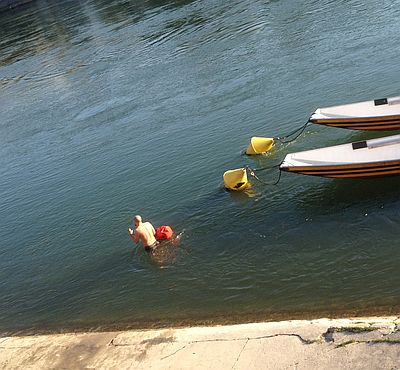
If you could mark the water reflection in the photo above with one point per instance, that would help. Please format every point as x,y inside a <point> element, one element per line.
<point>45,25</point>
<point>242,197</point>
<point>38,28</point>
<point>130,12</point>
<point>165,255</point>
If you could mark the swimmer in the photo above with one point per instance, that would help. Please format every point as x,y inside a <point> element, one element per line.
<point>144,233</point>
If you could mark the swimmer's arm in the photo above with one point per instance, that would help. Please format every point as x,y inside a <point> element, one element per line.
<point>134,235</point>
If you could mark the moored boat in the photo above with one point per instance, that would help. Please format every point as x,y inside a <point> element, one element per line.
<point>361,159</point>
<point>375,115</point>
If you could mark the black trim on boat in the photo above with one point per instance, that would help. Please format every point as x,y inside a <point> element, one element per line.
<point>367,125</point>
<point>390,168</point>
<point>358,120</point>
<point>380,101</point>
<point>359,145</point>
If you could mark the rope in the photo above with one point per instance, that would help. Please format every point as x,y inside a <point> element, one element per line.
<point>301,129</point>
<point>252,173</point>
<point>262,168</point>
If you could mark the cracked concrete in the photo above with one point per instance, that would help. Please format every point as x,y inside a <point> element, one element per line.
<point>369,343</point>
<point>244,346</point>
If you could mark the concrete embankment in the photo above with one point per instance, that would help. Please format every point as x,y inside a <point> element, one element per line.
<point>360,343</point>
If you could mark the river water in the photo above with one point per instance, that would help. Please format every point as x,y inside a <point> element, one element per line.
<point>116,108</point>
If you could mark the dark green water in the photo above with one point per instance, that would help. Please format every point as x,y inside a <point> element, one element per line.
<point>109,109</point>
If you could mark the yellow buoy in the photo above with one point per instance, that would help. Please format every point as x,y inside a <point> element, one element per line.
<point>236,179</point>
<point>259,145</point>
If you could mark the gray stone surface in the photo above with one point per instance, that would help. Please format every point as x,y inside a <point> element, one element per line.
<point>366,343</point>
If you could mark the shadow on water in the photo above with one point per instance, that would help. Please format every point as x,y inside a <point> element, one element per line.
<point>44,25</point>
<point>132,11</point>
<point>344,193</point>
<point>11,5</point>
<point>368,135</point>
<point>39,27</point>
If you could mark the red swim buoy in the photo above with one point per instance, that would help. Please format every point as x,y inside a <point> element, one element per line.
<point>164,233</point>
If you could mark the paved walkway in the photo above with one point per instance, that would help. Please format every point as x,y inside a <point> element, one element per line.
<point>365,343</point>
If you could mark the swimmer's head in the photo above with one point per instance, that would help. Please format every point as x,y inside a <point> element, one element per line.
<point>137,220</point>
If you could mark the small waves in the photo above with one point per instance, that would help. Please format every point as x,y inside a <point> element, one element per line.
<point>174,29</point>
<point>117,109</point>
<point>203,27</point>
<point>91,112</point>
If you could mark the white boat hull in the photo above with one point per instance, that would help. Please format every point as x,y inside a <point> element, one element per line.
<point>374,115</point>
<point>362,159</point>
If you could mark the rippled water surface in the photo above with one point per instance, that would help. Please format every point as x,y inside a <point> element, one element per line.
<point>112,108</point>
